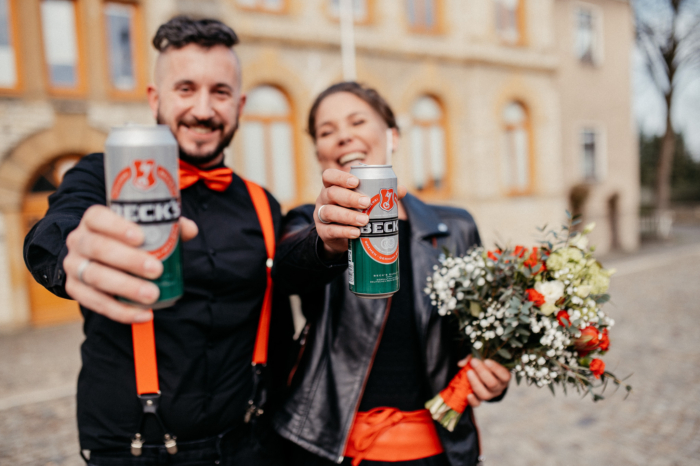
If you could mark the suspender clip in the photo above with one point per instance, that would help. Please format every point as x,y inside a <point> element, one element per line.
<point>170,444</point>
<point>149,402</point>
<point>137,445</point>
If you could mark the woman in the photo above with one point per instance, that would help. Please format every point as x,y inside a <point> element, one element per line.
<point>370,365</point>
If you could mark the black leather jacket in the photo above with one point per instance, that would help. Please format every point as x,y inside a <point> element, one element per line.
<point>345,331</point>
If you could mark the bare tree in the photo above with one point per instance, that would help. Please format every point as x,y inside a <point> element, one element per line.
<point>668,35</point>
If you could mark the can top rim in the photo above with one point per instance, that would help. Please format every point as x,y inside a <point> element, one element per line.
<point>369,166</point>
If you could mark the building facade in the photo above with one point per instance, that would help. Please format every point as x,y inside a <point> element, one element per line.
<point>514,109</point>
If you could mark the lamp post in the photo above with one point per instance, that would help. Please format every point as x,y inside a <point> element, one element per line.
<point>347,40</point>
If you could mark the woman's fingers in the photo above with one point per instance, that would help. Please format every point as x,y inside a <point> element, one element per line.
<point>485,376</point>
<point>473,401</point>
<point>335,177</point>
<point>486,383</point>
<point>498,370</point>
<point>344,197</point>
<point>341,215</point>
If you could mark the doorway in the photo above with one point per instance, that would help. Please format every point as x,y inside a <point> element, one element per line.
<point>47,308</point>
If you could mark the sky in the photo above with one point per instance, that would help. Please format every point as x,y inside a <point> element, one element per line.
<point>649,107</point>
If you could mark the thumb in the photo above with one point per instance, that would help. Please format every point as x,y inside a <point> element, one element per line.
<point>188,229</point>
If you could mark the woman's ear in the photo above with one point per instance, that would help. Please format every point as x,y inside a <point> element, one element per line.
<point>394,139</point>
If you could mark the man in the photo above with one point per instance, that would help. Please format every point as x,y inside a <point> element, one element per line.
<point>205,341</point>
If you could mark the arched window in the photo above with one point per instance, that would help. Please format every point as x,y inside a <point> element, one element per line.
<point>428,158</point>
<point>268,143</point>
<point>509,20</point>
<point>516,166</point>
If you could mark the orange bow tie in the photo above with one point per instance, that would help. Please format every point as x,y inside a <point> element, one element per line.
<point>217,179</point>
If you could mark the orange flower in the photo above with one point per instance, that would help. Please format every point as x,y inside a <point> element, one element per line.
<point>597,367</point>
<point>588,341</point>
<point>492,256</point>
<point>519,251</point>
<point>604,344</point>
<point>533,260</point>
<point>535,296</point>
<point>563,318</point>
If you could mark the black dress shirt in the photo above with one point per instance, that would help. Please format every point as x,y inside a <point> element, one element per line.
<point>204,342</point>
<point>397,378</point>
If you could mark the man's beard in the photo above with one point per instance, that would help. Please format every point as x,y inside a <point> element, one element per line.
<point>203,159</point>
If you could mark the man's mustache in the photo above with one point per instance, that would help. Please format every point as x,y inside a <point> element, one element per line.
<point>208,123</point>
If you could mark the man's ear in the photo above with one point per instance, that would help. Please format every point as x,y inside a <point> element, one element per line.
<point>153,99</point>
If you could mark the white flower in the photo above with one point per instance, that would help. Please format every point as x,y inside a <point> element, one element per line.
<point>477,345</point>
<point>583,291</point>
<point>552,290</point>
<point>580,241</point>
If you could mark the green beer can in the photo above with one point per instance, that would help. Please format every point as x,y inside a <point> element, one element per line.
<point>143,185</point>
<point>373,258</point>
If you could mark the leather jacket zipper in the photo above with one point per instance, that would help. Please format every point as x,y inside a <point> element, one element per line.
<point>364,383</point>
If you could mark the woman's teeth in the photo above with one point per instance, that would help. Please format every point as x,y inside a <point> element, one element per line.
<point>351,157</point>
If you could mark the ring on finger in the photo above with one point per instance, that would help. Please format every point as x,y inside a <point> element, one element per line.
<point>318,214</point>
<point>81,270</point>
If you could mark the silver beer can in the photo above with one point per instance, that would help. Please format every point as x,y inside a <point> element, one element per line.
<point>373,258</point>
<point>143,186</point>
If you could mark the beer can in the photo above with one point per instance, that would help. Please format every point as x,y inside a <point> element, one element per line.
<point>373,258</point>
<point>143,185</point>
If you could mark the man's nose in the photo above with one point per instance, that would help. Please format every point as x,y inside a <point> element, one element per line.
<point>202,108</point>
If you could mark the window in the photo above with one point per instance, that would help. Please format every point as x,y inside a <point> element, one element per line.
<point>428,158</point>
<point>587,42</point>
<point>516,167</point>
<point>268,144</point>
<point>268,6</point>
<point>422,15</point>
<point>591,155</point>
<point>9,78</point>
<point>61,51</point>
<point>119,30</point>
<point>509,19</point>
<point>360,10</point>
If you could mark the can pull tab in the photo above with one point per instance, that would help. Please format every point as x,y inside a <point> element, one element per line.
<point>137,445</point>
<point>170,444</point>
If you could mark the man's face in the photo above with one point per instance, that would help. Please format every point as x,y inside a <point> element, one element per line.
<point>197,94</point>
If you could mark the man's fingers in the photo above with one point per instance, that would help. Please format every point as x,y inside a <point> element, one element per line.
<point>335,177</point>
<point>115,282</point>
<point>498,370</point>
<point>346,198</point>
<point>188,229</point>
<point>115,254</point>
<point>336,214</point>
<point>485,376</point>
<point>105,304</point>
<point>101,219</point>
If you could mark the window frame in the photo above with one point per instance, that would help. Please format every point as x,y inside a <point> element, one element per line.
<point>261,9</point>
<point>438,24</point>
<point>527,126</point>
<point>138,53</point>
<point>429,191</point>
<point>12,14</point>
<point>81,87</point>
<point>596,12</point>
<point>266,121</point>
<point>600,168</point>
<point>369,18</point>
<point>520,22</point>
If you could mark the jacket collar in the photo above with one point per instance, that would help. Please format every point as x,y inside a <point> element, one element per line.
<point>425,222</point>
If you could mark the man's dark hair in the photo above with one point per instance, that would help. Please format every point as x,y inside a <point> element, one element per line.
<point>365,93</point>
<point>183,30</point>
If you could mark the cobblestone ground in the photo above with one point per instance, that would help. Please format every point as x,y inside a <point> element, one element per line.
<point>656,305</point>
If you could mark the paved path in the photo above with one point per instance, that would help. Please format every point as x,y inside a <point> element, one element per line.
<point>656,305</point>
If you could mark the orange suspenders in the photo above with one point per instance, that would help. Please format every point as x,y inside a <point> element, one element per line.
<point>145,364</point>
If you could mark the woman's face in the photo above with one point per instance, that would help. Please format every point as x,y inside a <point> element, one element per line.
<point>349,131</point>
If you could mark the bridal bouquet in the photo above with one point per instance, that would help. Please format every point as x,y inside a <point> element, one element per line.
<point>537,311</point>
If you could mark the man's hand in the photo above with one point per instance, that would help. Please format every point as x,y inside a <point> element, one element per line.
<point>111,243</point>
<point>487,378</point>
<point>340,209</point>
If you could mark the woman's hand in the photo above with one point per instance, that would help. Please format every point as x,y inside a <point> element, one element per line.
<point>487,378</point>
<point>341,219</point>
